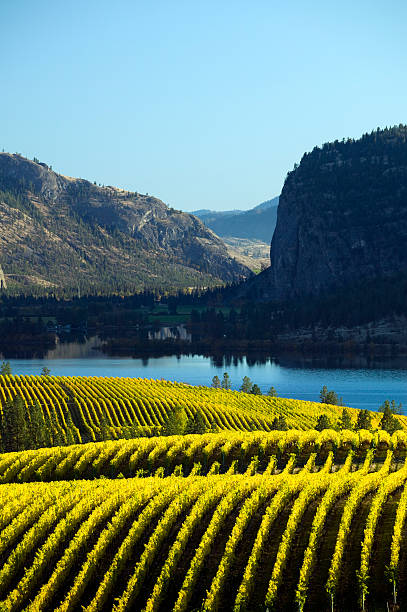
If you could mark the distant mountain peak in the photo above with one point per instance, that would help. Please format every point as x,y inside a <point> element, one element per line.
<point>258,223</point>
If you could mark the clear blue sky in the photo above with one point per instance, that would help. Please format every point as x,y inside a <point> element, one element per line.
<point>205,104</point>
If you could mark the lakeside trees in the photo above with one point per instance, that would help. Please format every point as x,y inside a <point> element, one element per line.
<point>5,368</point>
<point>329,397</point>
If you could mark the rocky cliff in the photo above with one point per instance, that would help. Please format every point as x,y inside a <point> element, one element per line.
<point>342,218</point>
<point>59,232</point>
<point>3,282</point>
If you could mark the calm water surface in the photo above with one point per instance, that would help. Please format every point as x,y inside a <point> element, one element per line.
<point>360,387</point>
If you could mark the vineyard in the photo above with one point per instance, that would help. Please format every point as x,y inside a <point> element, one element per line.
<point>205,454</point>
<point>86,409</point>
<point>307,536</point>
<point>240,518</point>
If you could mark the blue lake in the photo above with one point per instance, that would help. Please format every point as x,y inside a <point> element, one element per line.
<point>360,387</point>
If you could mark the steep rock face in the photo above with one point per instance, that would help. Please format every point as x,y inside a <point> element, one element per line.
<point>3,283</point>
<point>342,217</point>
<point>56,230</point>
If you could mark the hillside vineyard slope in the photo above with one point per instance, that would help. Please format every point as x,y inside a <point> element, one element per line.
<point>57,232</point>
<point>313,536</point>
<point>342,217</point>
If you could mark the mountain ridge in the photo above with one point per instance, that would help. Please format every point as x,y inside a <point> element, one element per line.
<point>256,223</point>
<point>59,231</point>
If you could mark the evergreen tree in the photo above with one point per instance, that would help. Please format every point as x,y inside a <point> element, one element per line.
<point>4,428</point>
<point>196,424</point>
<point>385,407</point>
<point>396,409</point>
<point>38,427</point>
<point>226,383</point>
<point>22,425</point>
<point>272,392</point>
<point>247,385</point>
<point>15,430</point>
<point>256,390</point>
<point>322,394</point>
<point>389,422</point>
<point>216,382</point>
<point>391,406</point>
<point>104,429</point>
<point>332,398</point>
<point>345,422</point>
<point>329,397</point>
<point>5,368</point>
<point>134,430</point>
<point>364,420</point>
<point>323,422</point>
<point>279,424</point>
<point>176,423</point>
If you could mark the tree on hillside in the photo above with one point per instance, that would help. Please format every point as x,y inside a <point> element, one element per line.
<point>345,422</point>
<point>176,423</point>
<point>45,371</point>
<point>323,394</point>
<point>364,420</point>
<point>104,432</point>
<point>389,422</point>
<point>329,397</point>
<point>5,368</point>
<point>279,424</point>
<point>323,422</point>
<point>226,382</point>
<point>256,390</point>
<point>216,382</point>
<point>247,385</point>
<point>56,434</point>
<point>196,424</point>
<point>396,409</point>
<point>14,425</point>
<point>387,405</point>
<point>272,392</point>
<point>38,427</point>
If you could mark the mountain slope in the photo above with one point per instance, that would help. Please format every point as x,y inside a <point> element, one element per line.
<point>255,224</point>
<point>342,218</point>
<point>59,233</point>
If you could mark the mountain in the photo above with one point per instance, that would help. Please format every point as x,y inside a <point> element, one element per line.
<point>65,234</point>
<point>255,224</point>
<point>211,215</point>
<point>265,205</point>
<point>342,218</point>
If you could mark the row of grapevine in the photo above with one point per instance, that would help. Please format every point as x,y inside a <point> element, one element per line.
<point>99,408</point>
<point>203,454</point>
<point>137,543</point>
